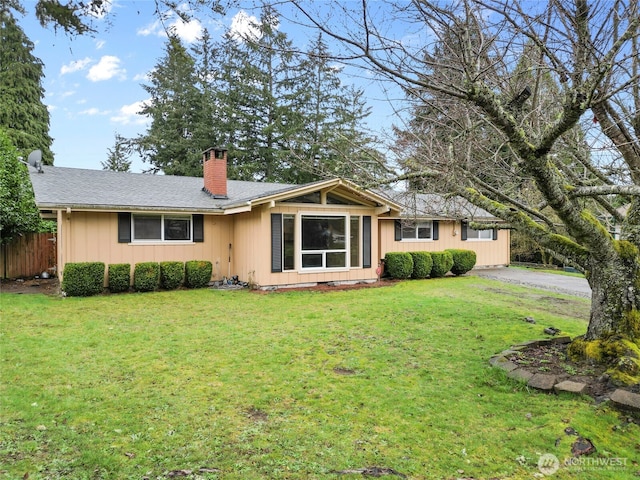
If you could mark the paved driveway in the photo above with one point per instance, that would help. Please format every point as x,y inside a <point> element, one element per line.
<point>547,281</point>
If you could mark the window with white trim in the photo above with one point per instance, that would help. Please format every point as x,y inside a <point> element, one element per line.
<point>479,234</point>
<point>161,228</point>
<point>417,230</point>
<point>324,242</point>
<point>309,242</point>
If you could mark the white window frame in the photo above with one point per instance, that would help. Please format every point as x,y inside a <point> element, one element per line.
<point>346,250</point>
<point>162,218</point>
<point>485,235</point>
<point>416,225</point>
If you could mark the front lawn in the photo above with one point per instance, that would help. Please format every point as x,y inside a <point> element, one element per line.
<point>299,385</point>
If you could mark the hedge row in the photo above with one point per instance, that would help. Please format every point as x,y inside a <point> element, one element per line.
<point>87,278</point>
<point>403,265</point>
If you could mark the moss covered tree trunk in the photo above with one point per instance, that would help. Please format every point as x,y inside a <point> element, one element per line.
<point>615,297</point>
<point>613,334</point>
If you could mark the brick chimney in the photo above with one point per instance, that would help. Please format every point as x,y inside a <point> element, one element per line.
<point>214,166</point>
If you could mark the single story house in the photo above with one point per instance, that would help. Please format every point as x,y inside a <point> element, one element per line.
<point>268,234</point>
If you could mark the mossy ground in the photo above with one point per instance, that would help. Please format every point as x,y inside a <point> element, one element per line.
<point>621,355</point>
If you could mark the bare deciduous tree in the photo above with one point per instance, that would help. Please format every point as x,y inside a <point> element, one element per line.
<point>531,111</point>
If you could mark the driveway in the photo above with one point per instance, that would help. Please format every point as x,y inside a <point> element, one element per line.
<point>566,284</point>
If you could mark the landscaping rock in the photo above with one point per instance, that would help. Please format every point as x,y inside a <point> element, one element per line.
<point>552,331</point>
<point>502,362</point>
<point>571,387</point>
<point>626,400</point>
<point>520,374</point>
<point>541,381</point>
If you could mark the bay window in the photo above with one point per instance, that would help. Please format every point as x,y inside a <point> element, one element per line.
<point>319,241</point>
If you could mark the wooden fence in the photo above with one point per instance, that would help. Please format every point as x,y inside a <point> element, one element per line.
<point>28,256</point>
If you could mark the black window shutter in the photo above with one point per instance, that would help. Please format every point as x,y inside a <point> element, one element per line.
<point>463,230</point>
<point>124,227</point>
<point>366,241</point>
<point>435,232</point>
<point>495,234</point>
<point>397,230</point>
<point>276,242</point>
<point>198,228</point>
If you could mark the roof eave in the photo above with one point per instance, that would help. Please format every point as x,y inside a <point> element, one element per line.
<point>126,208</point>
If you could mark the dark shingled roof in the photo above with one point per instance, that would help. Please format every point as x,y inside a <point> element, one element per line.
<point>434,205</point>
<point>60,187</point>
<point>103,189</point>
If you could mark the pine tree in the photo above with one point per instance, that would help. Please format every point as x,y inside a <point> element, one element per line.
<point>335,141</point>
<point>257,90</point>
<point>177,110</point>
<point>18,211</point>
<point>118,156</point>
<point>23,114</point>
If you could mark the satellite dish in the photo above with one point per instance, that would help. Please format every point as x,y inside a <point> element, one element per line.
<point>35,160</point>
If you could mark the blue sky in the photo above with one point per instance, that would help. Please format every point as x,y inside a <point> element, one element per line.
<point>93,83</point>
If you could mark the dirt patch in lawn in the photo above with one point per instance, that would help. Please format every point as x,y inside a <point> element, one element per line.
<point>47,286</point>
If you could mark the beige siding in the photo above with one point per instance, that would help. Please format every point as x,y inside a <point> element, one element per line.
<point>93,237</point>
<point>489,252</point>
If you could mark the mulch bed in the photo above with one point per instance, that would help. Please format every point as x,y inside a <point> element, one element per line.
<point>553,360</point>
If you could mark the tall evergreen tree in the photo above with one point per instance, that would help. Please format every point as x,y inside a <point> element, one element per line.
<point>118,156</point>
<point>334,141</point>
<point>256,89</point>
<point>18,211</point>
<point>176,111</point>
<point>23,114</point>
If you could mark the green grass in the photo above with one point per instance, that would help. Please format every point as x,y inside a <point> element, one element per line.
<point>289,385</point>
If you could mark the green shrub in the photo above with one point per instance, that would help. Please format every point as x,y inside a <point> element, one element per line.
<point>442,263</point>
<point>83,279</point>
<point>146,276</point>
<point>197,273</point>
<point>171,275</point>
<point>398,264</point>
<point>463,260</point>
<point>119,277</point>
<point>422,264</point>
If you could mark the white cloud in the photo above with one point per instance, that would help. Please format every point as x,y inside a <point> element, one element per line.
<point>188,32</point>
<point>92,112</point>
<point>107,68</point>
<point>244,26</point>
<point>142,77</point>
<point>100,44</point>
<point>151,29</point>
<point>129,114</point>
<point>75,66</point>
